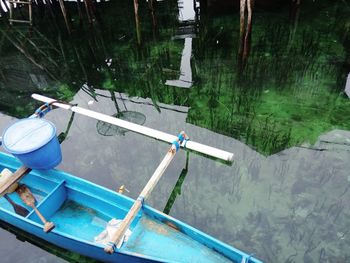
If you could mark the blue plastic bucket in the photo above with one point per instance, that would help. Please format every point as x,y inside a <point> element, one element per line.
<point>34,142</point>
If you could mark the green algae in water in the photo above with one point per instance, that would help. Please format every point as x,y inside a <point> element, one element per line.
<point>288,93</point>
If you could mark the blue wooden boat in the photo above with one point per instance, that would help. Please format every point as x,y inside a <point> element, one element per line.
<point>81,210</point>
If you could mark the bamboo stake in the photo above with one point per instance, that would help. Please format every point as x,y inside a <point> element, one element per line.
<point>142,197</point>
<point>11,13</point>
<point>63,9</point>
<point>30,13</point>
<point>88,11</point>
<point>154,18</point>
<point>248,31</point>
<point>137,21</point>
<point>79,12</point>
<point>191,145</point>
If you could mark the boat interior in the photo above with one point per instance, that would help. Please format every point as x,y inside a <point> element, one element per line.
<point>82,211</point>
<point>74,211</point>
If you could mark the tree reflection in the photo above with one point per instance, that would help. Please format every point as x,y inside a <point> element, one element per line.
<point>266,102</point>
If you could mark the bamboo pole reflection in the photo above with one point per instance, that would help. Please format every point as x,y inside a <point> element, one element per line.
<point>137,21</point>
<point>63,135</point>
<point>177,189</point>
<point>246,13</point>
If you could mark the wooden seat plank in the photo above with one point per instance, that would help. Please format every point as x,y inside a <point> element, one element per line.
<point>22,171</point>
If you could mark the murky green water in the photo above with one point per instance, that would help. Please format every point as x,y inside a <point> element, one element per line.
<point>285,198</point>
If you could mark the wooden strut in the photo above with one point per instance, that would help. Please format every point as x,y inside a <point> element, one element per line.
<point>142,197</point>
<point>22,171</point>
<point>153,133</point>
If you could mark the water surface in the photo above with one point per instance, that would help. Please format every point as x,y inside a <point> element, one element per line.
<point>281,111</point>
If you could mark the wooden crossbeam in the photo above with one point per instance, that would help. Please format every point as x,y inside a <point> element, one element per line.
<point>22,171</point>
<point>20,21</point>
<point>20,2</point>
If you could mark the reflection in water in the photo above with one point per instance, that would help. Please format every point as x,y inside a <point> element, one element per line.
<point>54,250</point>
<point>177,188</point>
<point>187,18</point>
<point>63,135</point>
<point>137,21</point>
<point>107,129</point>
<point>283,204</point>
<point>185,80</point>
<point>347,86</point>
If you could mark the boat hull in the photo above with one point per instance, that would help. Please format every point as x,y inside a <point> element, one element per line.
<point>71,244</point>
<point>81,209</point>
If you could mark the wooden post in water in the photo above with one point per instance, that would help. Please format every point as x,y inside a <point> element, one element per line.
<point>63,9</point>
<point>11,14</point>
<point>154,18</point>
<point>242,19</point>
<point>248,31</point>
<point>89,10</point>
<point>79,12</point>
<point>294,13</point>
<point>137,21</point>
<point>245,28</point>
<point>294,10</point>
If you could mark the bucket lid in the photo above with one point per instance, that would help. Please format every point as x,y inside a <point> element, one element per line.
<point>28,135</point>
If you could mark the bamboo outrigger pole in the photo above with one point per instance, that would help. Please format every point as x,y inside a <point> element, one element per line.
<point>191,145</point>
<point>111,246</point>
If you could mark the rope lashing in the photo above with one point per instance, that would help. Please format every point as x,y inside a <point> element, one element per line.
<point>186,140</point>
<point>246,259</point>
<point>113,245</point>
<point>45,108</point>
<point>179,140</point>
<point>42,110</point>
<point>176,144</point>
<point>142,199</point>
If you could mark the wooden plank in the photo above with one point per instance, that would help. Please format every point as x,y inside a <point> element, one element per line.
<point>19,21</point>
<point>19,2</point>
<point>22,171</point>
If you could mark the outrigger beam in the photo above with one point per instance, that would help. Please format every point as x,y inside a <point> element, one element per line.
<point>130,216</point>
<point>162,136</point>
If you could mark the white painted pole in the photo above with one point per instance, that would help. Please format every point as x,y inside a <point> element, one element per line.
<point>162,136</point>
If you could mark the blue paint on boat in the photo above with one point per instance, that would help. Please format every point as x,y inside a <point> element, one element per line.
<point>81,210</point>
